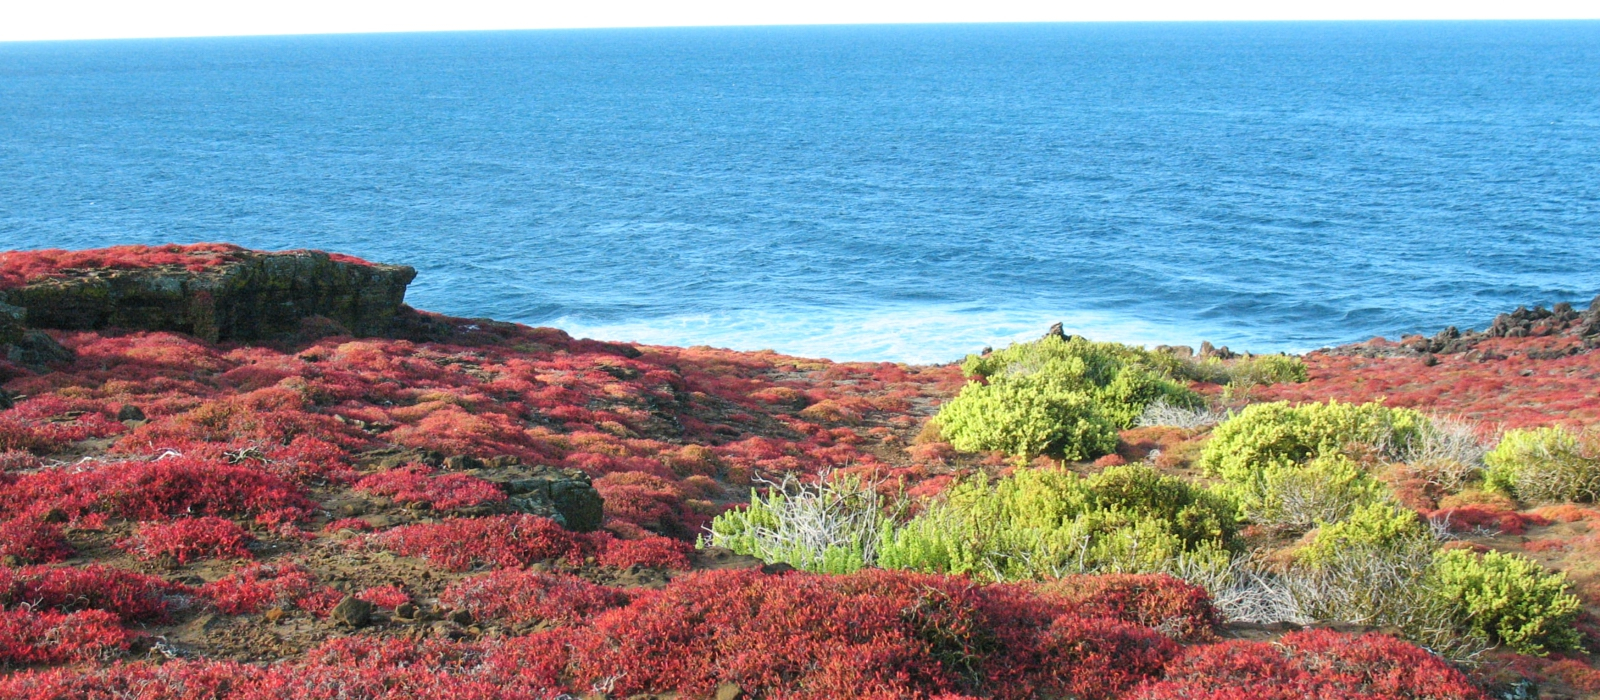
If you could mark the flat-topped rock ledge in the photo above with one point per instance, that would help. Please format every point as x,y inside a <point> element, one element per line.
<point>240,295</point>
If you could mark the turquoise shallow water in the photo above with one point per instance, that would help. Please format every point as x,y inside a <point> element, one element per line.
<point>896,193</point>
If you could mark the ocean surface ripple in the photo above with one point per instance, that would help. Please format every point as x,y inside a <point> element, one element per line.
<point>906,193</point>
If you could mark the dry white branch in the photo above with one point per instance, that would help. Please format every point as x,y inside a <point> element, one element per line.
<point>1161,413</point>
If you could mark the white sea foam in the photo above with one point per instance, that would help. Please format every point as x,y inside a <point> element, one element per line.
<point>913,334</point>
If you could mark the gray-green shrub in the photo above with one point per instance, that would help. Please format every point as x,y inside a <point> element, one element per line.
<point>1327,489</point>
<point>1545,465</point>
<point>830,526</point>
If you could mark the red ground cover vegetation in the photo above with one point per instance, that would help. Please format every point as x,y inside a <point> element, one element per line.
<point>257,587</point>
<point>1310,664</point>
<point>48,423</point>
<point>511,541</point>
<point>520,596</point>
<point>29,638</point>
<point>506,541</point>
<point>649,552</point>
<point>131,596</point>
<point>367,467</point>
<point>418,483</point>
<point>1499,385</point>
<point>871,634</point>
<point>23,266</point>
<point>29,539</point>
<point>150,490</point>
<point>1179,609</point>
<point>874,634</point>
<point>189,539</point>
<point>1484,519</point>
<point>389,597</point>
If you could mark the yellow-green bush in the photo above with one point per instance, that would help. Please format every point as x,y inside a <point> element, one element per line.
<point>1544,465</point>
<point>1027,416</point>
<point>1058,397</point>
<point>1266,369</point>
<point>1379,525</point>
<point>1509,599</point>
<point>1042,523</point>
<point>1263,436</point>
<point>1247,371</point>
<point>1194,515</point>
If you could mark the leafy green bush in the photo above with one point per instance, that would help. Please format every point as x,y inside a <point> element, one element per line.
<point>1056,396</point>
<point>1245,447</point>
<point>1044,523</point>
<point>1544,465</point>
<point>1027,416</point>
<point>1266,369</point>
<point>1509,599</point>
<point>1379,525</point>
<point>1194,515</point>
<point>1247,371</point>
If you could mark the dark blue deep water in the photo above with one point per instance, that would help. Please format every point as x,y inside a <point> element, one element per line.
<point>898,193</point>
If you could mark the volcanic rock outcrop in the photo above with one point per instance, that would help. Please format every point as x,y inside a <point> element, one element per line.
<point>251,296</point>
<point>1559,320</point>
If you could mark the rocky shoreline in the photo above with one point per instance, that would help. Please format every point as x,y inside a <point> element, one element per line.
<point>264,296</point>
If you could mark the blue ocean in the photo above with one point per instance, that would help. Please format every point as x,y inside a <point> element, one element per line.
<point>907,193</point>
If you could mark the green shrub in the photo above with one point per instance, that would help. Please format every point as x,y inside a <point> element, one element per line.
<point>1027,416</point>
<point>1382,526</point>
<point>1509,599</point>
<point>1544,465</point>
<point>1195,516</point>
<point>1244,448</point>
<point>1247,371</point>
<point>1326,490</point>
<point>1266,369</point>
<point>1058,397</point>
<point>1044,523</point>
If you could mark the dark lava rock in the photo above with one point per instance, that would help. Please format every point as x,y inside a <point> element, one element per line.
<point>1521,323</point>
<point>1182,351</point>
<point>391,457</point>
<point>37,349</point>
<point>1222,353</point>
<point>460,462</point>
<point>259,296</point>
<point>352,611</point>
<point>12,323</point>
<point>407,611</point>
<point>564,495</point>
<point>1589,320</point>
